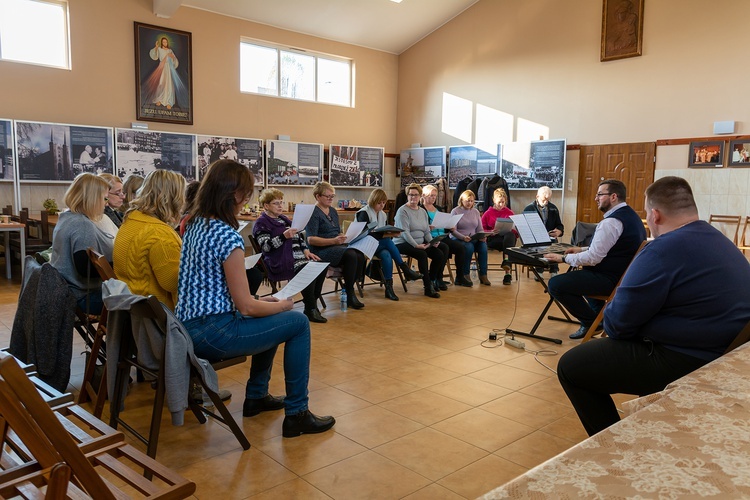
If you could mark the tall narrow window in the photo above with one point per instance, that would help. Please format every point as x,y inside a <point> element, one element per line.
<point>35,32</point>
<point>295,74</point>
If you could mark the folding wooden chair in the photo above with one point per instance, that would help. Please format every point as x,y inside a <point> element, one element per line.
<point>152,309</point>
<point>727,224</point>
<point>744,243</point>
<point>607,299</point>
<point>51,438</point>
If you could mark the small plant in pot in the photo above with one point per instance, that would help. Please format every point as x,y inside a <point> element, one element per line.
<point>50,205</point>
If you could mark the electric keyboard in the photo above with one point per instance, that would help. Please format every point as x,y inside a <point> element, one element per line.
<point>534,255</point>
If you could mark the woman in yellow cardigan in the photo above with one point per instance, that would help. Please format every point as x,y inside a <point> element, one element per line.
<point>147,247</point>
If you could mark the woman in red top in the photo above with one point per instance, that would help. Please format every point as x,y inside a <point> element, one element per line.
<point>497,241</point>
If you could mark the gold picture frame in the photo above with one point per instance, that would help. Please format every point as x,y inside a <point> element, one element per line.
<point>622,29</point>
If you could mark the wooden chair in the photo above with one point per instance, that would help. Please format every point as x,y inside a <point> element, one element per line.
<point>607,299</point>
<point>37,235</point>
<point>52,438</point>
<point>98,346</point>
<point>379,278</point>
<point>152,309</point>
<point>727,224</point>
<point>744,243</point>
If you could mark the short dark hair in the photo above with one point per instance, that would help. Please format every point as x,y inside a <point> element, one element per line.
<point>671,195</point>
<point>617,187</point>
<point>224,181</point>
<point>190,193</point>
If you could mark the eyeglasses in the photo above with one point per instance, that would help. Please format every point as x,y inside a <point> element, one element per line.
<point>117,193</point>
<point>327,196</point>
<point>278,203</point>
<point>413,195</point>
<point>106,198</point>
<point>599,195</point>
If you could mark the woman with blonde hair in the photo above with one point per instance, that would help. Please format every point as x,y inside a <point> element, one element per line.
<point>469,225</point>
<point>375,217</point>
<point>75,232</point>
<point>328,242</point>
<point>147,248</point>
<point>496,241</point>
<point>130,187</point>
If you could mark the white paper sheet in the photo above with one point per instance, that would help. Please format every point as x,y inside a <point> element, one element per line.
<point>366,245</point>
<point>302,214</point>
<point>301,280</point>
<point>252,260</point>
<point>531,228</point>
<point>355,228</point>
<point>443,220</point>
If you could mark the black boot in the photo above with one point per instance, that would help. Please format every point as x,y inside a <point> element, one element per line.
<point>389,290</point>
<point>430,291</point>
<point>409,274</point>
<point>352,300</point>
<point>305,423</point>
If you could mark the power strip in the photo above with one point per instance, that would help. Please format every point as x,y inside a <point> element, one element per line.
<point>515,343</point>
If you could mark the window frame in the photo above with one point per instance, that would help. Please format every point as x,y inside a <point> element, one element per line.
<point>68,63</point>
<point>280,49</point>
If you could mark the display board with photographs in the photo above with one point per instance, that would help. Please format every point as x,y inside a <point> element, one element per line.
<point>531,165</point>
<point>57,152</point>
<point>293,163</point>
<point>143,151</point>
<point>248,152</point>
<point>7,171</point>
<point>422,165</point>
<point>356,166</point>
<point>469,161</point>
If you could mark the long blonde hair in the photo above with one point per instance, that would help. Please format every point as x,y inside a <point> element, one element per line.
<point>85,194</point>
<point>162,196</point>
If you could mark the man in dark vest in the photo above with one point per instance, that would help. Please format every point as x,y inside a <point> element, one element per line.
<point>615,242</point>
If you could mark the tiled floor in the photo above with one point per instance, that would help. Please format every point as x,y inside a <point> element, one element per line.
<point>425,407</point>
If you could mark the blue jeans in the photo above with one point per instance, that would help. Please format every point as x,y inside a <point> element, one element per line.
<point>387,253</point>
<point>480,247</point>
<point>231,334</point>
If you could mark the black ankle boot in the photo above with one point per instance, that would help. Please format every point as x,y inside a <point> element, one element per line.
<point>352,301</point>
<point>430,291</point>
<point>305,423</point>
<point>409,274</point>
<point>389,294</point>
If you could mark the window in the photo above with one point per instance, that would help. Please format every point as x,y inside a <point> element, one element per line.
<point>35,32</point>
<point>295,74</point>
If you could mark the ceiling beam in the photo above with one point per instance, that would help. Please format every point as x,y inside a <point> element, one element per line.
<point>166,8</point>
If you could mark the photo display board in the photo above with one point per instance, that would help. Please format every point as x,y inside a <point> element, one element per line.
<point>57,152</point>
<point>248,152</point>
<point>293,163</point>
<point>469,161</point>
<point>143,151</point>
<point>356,166</point>
<point>422,165</point>
<point>7,171</point>
<point>531,165</point>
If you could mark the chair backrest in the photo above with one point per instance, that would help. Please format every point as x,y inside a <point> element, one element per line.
<point>583,233</point>
<point>744,243</point>
<point>100,263</point>
<point>727,224</point>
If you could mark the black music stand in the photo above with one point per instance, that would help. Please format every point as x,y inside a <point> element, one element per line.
<point>532,333</point>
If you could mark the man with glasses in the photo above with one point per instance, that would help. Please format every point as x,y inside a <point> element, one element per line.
<point>616,240</point>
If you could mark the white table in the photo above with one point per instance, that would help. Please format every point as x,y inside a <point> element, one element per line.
<point>21,229</point>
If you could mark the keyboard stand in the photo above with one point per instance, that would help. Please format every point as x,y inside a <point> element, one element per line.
<point>532,333</point>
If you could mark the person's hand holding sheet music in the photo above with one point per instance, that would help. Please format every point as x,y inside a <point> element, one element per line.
<point>289,233</point>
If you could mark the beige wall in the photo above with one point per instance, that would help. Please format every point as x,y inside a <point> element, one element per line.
<point>538,60</point>
<point>100,89</point>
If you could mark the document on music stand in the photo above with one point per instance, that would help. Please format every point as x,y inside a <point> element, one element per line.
<point>302,214</point>
<point>301,280</point>
<point>531,228</point>
<point>443,220</point>
<point>252,260</point>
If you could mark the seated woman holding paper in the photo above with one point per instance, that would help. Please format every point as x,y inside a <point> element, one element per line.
<point>224,320</point>
<point>499,241</point>
<point>429,195</point>
<point>285,252</point>
<point>327,241</point>
<point>373,215</point>
<point>416,240</point>
<point>469,233</point>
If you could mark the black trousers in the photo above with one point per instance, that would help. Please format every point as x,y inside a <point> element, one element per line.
<point>312,291</point>
<point>497,242</point>
<point>458,250</point>
<point>352,266</point>
<point>589,373</point>
<point>438,256</point>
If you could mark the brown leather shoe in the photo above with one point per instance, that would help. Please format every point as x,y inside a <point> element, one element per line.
<point>483,280</point>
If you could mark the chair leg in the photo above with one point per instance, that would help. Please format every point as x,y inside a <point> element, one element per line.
<point>224,415</point>
<point>592,329</point>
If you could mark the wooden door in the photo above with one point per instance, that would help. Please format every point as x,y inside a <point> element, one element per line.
<point>633,164</point>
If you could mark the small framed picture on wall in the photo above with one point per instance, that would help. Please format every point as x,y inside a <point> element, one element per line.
<point>739,153</point>
<point>706,154</point>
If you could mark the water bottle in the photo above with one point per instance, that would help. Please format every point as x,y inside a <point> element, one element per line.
<point>473,270</point>
<point>343,300</point>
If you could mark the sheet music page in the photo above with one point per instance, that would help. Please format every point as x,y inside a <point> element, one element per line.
<point>503,226</point>
<point>301,280</point>
<point>541,235</point>
<point>366,245</point>
<point>443,220</point>
<point>252,260</point>
<point>302,214</point>
<point>242,225</point>
<point>355,228</point>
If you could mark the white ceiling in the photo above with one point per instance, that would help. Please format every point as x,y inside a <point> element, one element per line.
<point>376,24</point>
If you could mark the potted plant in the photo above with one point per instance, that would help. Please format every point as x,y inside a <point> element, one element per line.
<point>50,205</point>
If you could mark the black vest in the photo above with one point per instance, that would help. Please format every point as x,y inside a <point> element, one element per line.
<point>619,256</point>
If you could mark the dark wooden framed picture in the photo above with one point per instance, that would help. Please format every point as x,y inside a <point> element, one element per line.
<point>706,154</point>
<point>163,74</point>
<point>622,29</point>
<point>739,153</point>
